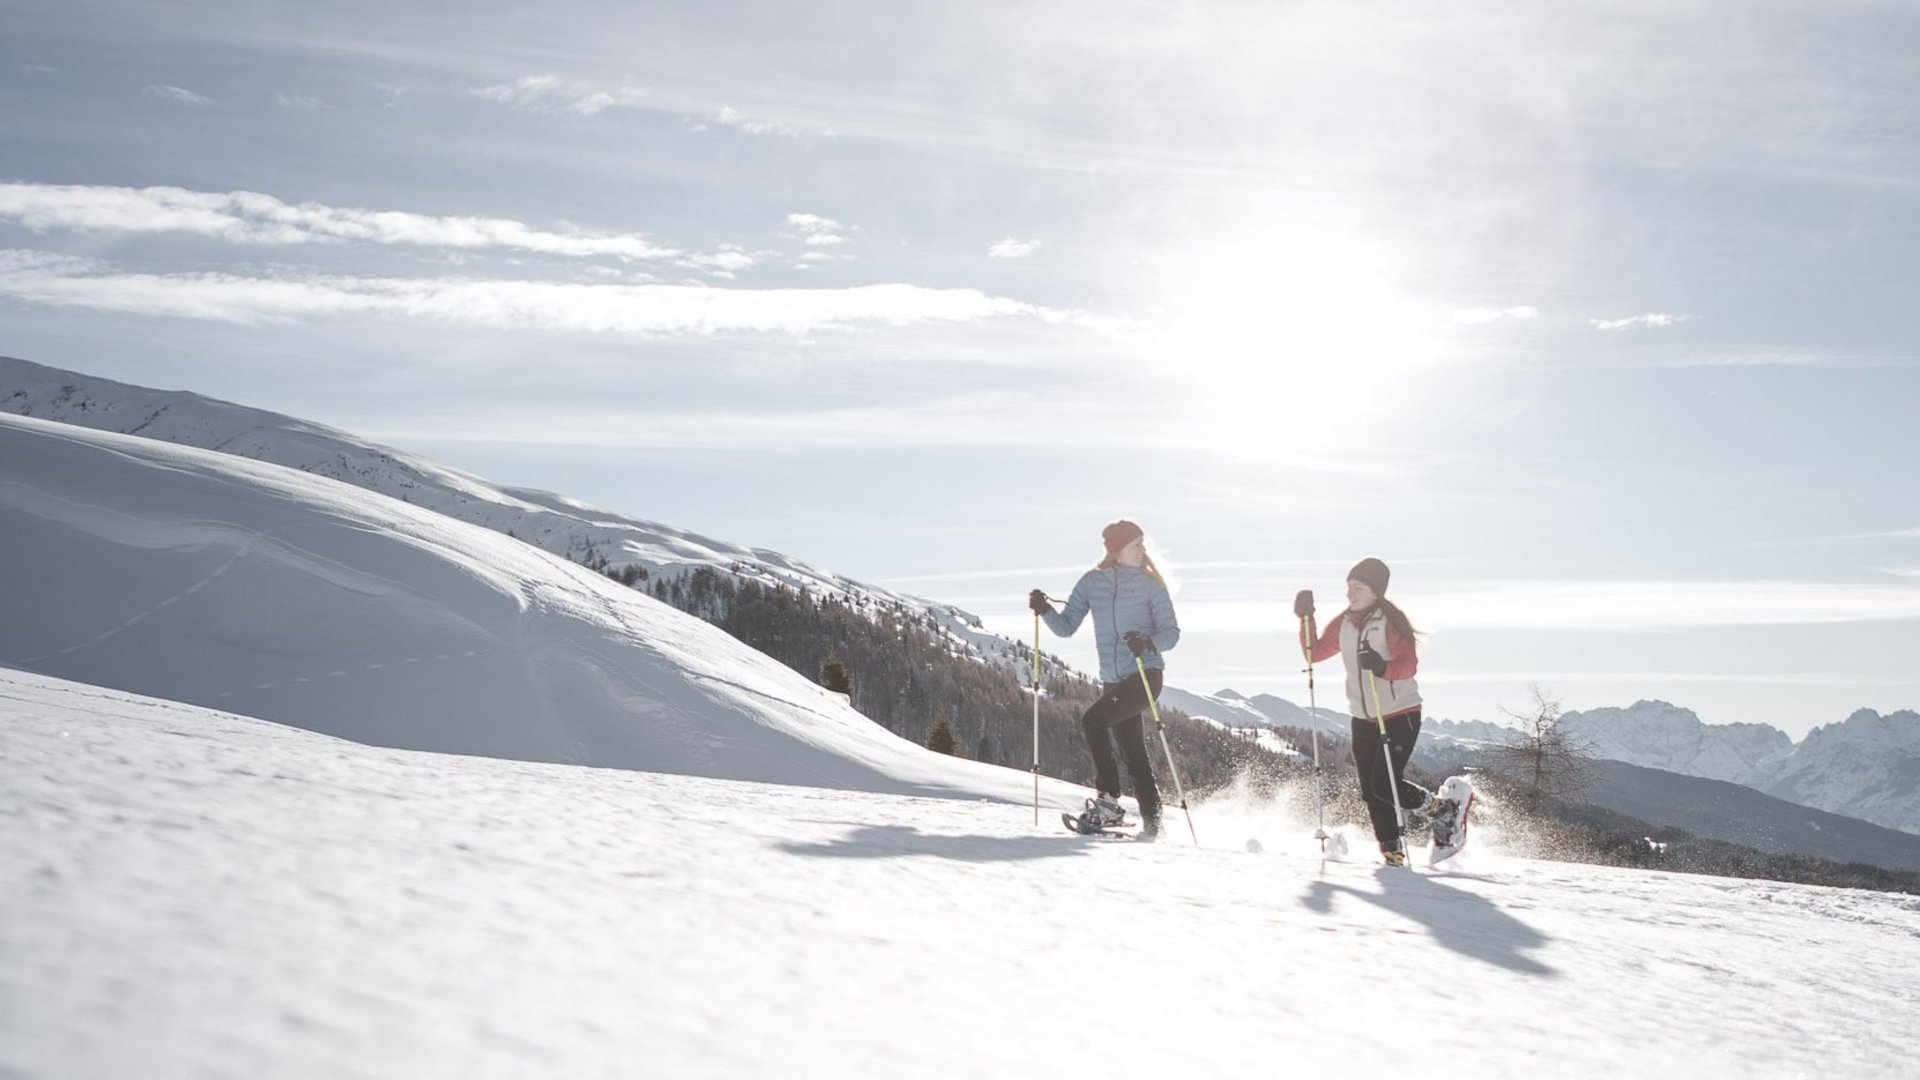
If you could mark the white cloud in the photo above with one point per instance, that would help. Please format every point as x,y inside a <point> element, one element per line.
<point>175,93</point>
<point>815,230</point>
<point>1653,678</point>
<point>641,310</point>
<point>1655,605</point>
<point>1607,606</point>
<point>1479,315</point>
<point>1809,358</point>
<point>725,261</point>
<point>1890,534</point>
<point>733,118</point>
<point>550,94</point>
<point>1651,320</point>
<point>1009,248</point>
<point>252,218</point>
<point>960,419</point>
<point>301,104</point>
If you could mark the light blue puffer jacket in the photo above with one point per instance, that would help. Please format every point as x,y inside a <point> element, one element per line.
<point>1121,598</point>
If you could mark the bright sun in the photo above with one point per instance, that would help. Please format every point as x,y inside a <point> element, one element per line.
<point>1280,345</point>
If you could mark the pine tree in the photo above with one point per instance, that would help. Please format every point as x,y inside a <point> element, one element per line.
<point>942,739</point>
<point>833,675</point>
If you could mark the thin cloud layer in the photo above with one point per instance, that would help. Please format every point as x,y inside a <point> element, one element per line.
<point>552,94</point>
<point>645,310</point>
<point>753,125</point>
<point>1649,321</point>
<point>1611,606</point>
<point>1009,248</point>
<point>248,217</point>
<point>177,94</point>
<point>1632,606</point>
<point>1479,315</point>
<point>815,230</point>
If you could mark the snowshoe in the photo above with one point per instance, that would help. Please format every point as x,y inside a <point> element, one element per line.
<point>1088,825</point>
<point>1450,819</point>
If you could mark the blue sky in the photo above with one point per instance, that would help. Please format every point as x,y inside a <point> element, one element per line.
<point>1595,321</point>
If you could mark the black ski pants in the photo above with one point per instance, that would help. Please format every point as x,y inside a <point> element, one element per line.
<point>1116,717</point>
<point>1402,731</point>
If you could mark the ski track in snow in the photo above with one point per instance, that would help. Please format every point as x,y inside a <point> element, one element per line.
<point>196,893</point>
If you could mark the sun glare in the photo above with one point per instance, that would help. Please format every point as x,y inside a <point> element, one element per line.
<point>1282,344</point>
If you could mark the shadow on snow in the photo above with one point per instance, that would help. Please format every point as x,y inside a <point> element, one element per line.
<point>894,841</point>
<point>1468,924</point>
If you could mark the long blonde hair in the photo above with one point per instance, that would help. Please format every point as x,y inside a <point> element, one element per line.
<point>1112,559</point>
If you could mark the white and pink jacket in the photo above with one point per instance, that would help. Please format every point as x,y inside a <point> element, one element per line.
<point>1399,693</point>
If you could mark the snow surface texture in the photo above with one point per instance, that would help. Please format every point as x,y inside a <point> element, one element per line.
<point>252,588</point>
<point>551,522</point>
<point>199,894</point>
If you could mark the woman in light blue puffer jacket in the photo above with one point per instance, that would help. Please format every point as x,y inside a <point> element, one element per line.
<point>1133,623</point>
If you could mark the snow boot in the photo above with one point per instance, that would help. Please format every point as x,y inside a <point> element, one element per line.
<point>1106,811</point>
<point>1149,829</point>
<point>1420,818</point>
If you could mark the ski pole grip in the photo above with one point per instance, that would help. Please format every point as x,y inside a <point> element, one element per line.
<point>1303,603</point>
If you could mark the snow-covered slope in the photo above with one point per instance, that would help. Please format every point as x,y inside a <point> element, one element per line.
<point>219,581</point>
<point>1867,766</point>
<point>546,520</point>
<point>1739,814</point>
<point>1229,708</point>
<point>196,894</point>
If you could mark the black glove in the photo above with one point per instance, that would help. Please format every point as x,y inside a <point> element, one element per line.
<point>1303,604</point>
<point>1371,661</point>
<point>1140,643</point>
<point>1037,600</point>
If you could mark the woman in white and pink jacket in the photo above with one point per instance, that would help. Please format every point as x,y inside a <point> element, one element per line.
<point>1376,640</point>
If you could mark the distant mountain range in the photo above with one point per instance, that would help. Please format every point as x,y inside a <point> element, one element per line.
<point>1867,766</point>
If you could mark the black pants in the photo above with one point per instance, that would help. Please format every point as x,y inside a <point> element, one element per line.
<point>1401,732</point>
<point>1116,716</point>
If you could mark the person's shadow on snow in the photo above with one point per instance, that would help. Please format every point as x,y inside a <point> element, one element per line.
<point>899,841</point>
<point>1468,924</point>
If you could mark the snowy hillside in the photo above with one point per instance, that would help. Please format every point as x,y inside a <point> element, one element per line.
<point>248,587</point>
<point>1232,709</point>
<point>199,894</point>
<point>1741,815</point>
<point>551,522</point>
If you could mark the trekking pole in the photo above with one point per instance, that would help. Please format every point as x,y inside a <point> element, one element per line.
<point>1036,718</point>
<point>1393,783</point>
<point>1154,707</point>
<point>1303,607</point>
